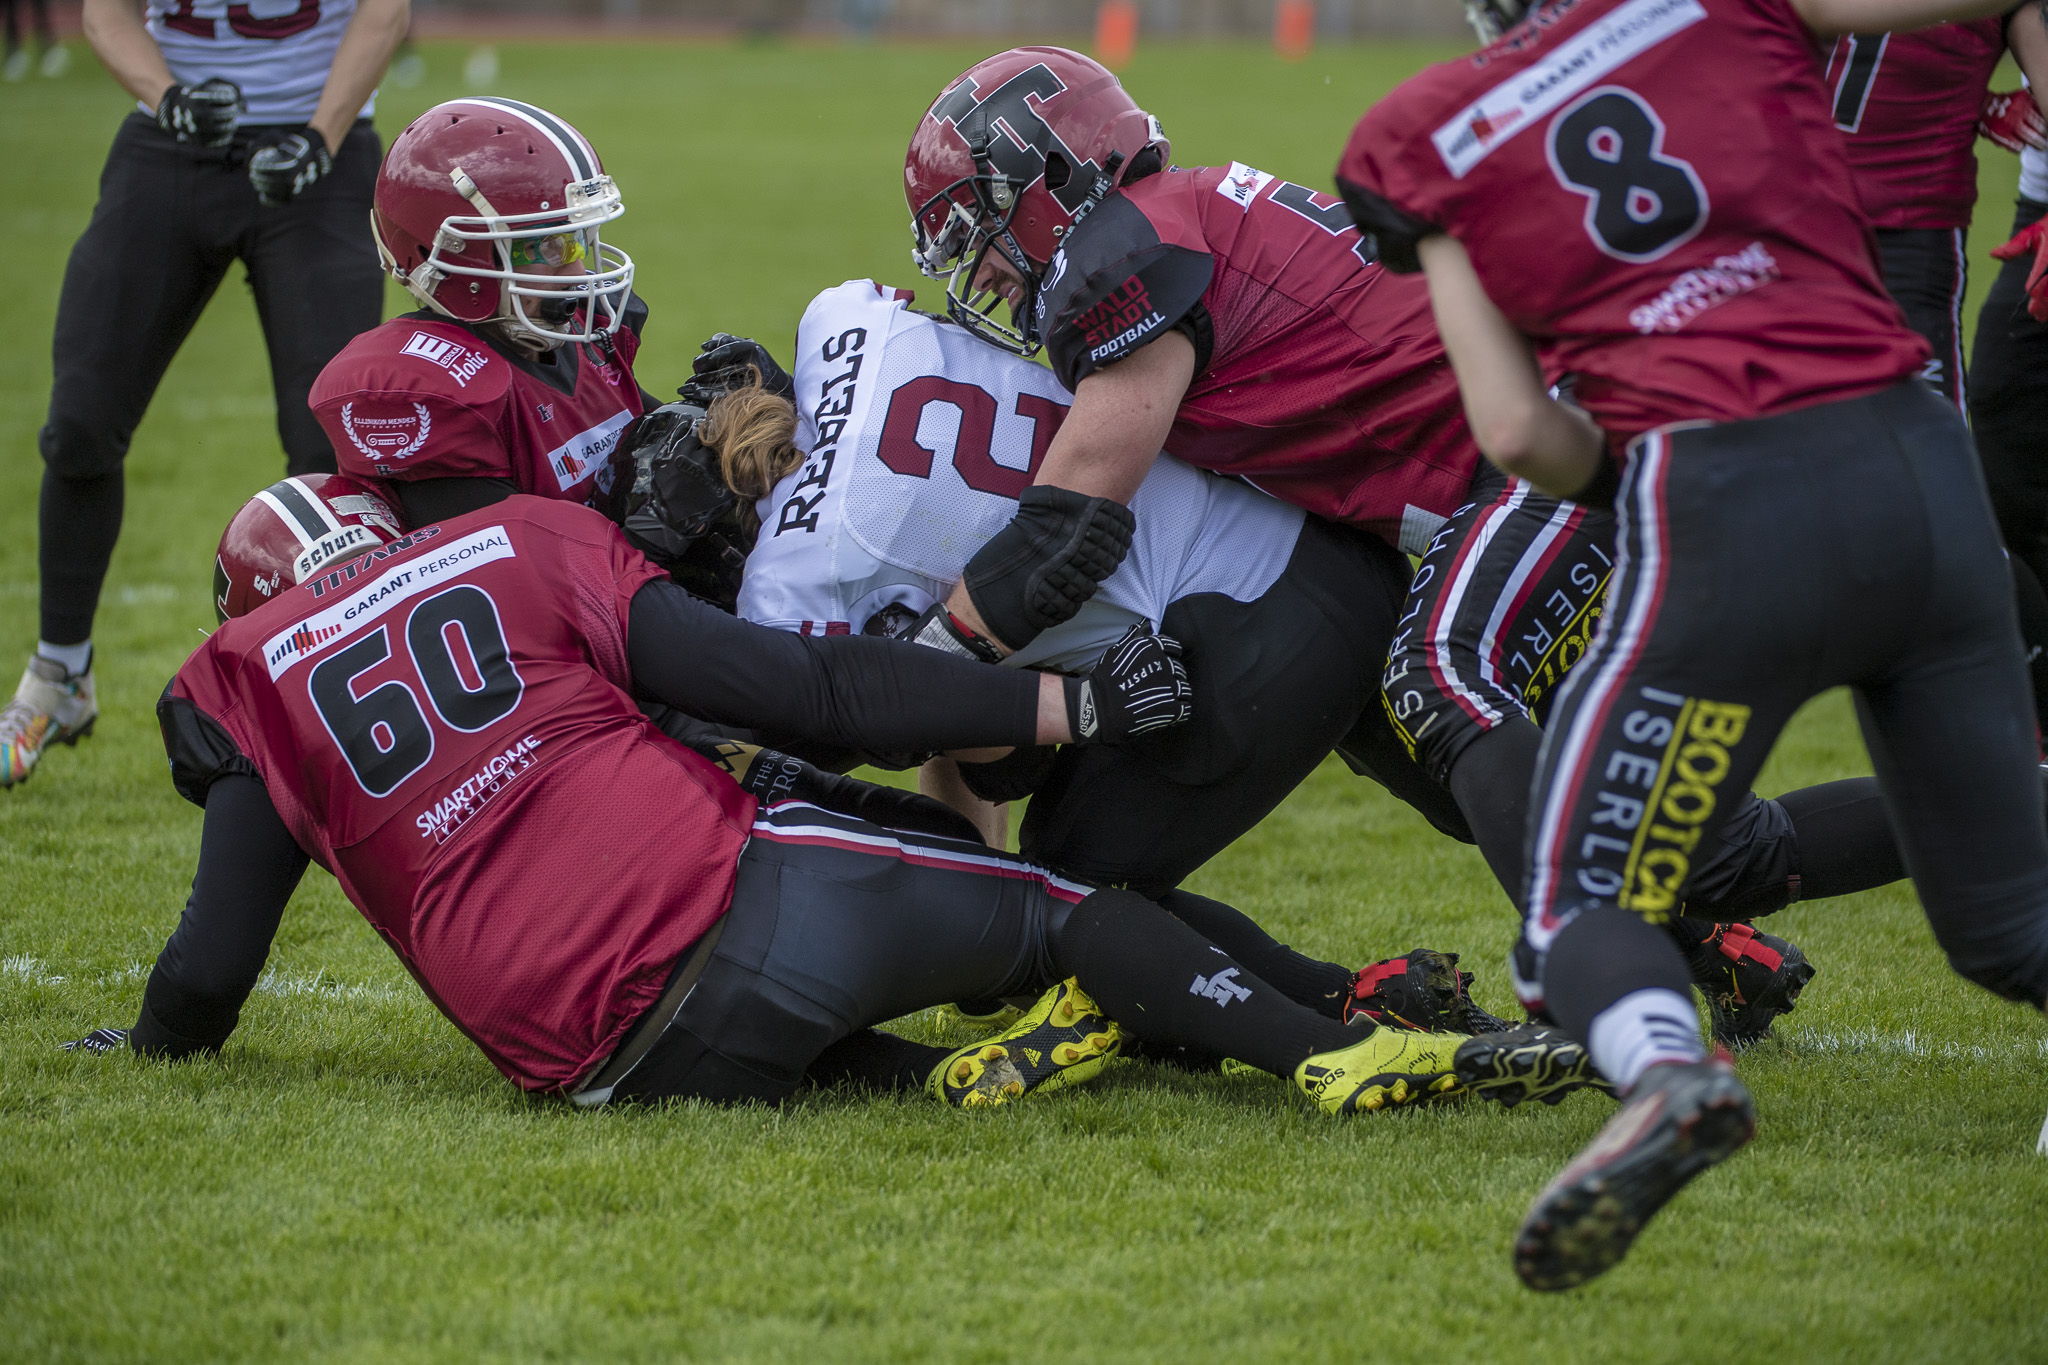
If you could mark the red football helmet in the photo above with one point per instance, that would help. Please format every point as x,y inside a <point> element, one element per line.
<point>475,193</point>
<point>1010,156</point>
<point>291,530</point>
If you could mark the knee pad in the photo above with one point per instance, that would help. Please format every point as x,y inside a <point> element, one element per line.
<point>73,450</point>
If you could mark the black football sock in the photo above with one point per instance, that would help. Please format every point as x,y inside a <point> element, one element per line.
<point>1490,782</point>
<point>876,1061</point>
<point>1322,986</point>
<point>78,521</point>
<point>1167,984</point>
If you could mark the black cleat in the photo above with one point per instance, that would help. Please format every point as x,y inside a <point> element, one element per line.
<point>1749,978</point>
<point>1529,1062</point>
<point>1422,991</point>
<point>1679,1120</point>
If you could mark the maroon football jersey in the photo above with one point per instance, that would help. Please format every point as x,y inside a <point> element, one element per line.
<point>1653,190</point>
<point>1319,375</point>
<point>1908,102</point>
<point>444,725</point>
<point>426,398</point>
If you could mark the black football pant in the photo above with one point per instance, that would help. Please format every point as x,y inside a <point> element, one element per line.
<point>837,925</point>
<point>2009,418</point>
<point>1758,563</point>
<point>170,220</point>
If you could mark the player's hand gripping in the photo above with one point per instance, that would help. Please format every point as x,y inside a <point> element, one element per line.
<point>2034,239</point>
<point>204,113</point>
<point>288,168</point>
<point>724,363</point>
<point>2011,119</point>
<point>1138,687</point>
<point>99,1040</point>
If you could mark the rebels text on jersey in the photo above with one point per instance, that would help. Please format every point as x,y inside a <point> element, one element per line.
<point>422,397</point>
<point>279,58</point>
<point>1600,164</point>
<point>1319,376</point>
<point>445,726</point>
<point>1908,103</point>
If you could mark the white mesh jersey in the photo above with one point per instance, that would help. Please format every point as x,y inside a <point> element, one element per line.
<point>277,51</point>
<point>920,439</point>
<point>2034,175</point>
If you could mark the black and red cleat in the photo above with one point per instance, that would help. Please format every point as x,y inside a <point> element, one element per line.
<point>1678,1121</point>
<point>1422,991</point>
<point>1749,978</point>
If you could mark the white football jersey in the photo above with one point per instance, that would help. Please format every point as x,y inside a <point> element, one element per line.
<point>920,438</point>
<point>277,51</point>
<point>2034,175</point>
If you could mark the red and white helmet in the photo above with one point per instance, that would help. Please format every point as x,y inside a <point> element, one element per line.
<point>292,530</point>
<point>1010,156</point>
<point>476,192</point>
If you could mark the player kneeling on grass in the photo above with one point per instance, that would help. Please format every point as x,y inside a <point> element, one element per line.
<point>447,721</point>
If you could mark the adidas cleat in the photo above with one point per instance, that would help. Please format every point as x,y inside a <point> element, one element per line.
<point>1060,1041</point>
<point>1678,1121</point>
<point>1749,978</point>
<point>977,1018</point>
<point>1526,1063</point>
<point>50,706</point>
<point>1389,1067</point>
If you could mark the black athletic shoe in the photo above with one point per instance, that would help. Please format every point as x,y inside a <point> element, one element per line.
<point>1749,978</point>
<point>1679,1120</point>
<point>1422,991</point>
<point>1526,1063</point>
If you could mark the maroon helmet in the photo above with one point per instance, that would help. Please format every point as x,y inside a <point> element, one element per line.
<point>1010,156</point>
<point>292,529</point>
<point>477,192</point>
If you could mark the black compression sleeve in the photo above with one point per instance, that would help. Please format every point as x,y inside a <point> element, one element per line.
<point>866,693</point>
<point>248,868</point>
<point>425,501</point>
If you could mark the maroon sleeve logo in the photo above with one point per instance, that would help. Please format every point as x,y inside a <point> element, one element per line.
<point>1125,315</point>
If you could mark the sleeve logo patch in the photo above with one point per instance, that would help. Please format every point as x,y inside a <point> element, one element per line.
<point>1119,320</point>
<point>573,460</point>
<point>452,356</point>
<point>1241,184</point>
<point>1522,99</point>
<point>385,439</point>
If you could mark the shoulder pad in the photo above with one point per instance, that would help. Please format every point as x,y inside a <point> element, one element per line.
<point>1394,234</point>
<point>412,357</point>
<point>1114,287</point>
<point>200,749</point>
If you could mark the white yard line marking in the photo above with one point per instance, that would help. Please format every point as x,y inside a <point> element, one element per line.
<point>284,985</point>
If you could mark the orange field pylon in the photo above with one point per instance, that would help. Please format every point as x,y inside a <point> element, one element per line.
<point>1294,29</point>
<point>1116,32</point>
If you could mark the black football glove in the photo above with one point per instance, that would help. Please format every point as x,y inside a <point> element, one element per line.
<point>724,365</point>
<point>1137,688</point>
<point>1040,569</point>
<point>204,113</point>
<point>774,776</point>
<point>289,167</point>
<point>99,1040</point>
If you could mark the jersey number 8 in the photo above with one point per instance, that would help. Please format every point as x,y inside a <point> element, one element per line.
<point>458,648</point>
<point>1609,146</point>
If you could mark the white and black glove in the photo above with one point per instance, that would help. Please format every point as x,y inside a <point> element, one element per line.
<point>1044,566</point>
<point>1137,688</point>
<point>204,113</point>
<point>99,1040</point>
<point>289,167</point>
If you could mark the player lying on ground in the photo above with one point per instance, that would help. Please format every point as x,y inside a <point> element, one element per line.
<point>1601,194</point>
<point>447,722</point>
<point>1240,322</point>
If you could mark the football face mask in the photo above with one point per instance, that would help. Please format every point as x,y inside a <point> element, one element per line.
<point>560,281</point>
<point>954,233</point>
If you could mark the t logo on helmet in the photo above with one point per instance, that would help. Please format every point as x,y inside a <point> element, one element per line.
<point>1025,142</point>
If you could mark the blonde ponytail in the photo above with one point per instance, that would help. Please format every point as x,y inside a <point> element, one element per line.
<point>754,433</point>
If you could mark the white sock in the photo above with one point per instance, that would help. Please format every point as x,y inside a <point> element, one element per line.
<point>75,658</point>
<point>1642,1029</point>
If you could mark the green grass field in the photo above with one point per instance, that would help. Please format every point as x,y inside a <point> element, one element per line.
<point>352,1181</point>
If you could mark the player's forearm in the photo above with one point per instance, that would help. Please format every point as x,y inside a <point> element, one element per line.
<point>1831,17</point>
<point>1513,418</point>
<point>373,34</point>
<point>1120,418</point>
<point>114,29</point>
<point>2027,37</point>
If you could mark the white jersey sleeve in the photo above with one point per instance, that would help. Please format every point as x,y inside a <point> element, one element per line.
<point>277,51</point>
<point>920,440</point>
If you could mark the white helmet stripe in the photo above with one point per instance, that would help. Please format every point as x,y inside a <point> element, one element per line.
<point>570,143</point>
<point>302,510</point>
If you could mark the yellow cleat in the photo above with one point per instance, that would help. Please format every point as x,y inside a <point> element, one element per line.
<point>1388,1067</point>
<point>1062,1040</point>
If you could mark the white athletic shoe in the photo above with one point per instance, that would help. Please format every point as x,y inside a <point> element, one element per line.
<point>2042,1145</point>
<point>50,706</point>
<point>55,62</point>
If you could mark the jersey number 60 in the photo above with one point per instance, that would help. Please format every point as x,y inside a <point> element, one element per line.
<point>458,648</point>
<point>1641,204</point>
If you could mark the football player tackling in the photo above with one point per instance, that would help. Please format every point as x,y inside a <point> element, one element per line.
<point>1599,193</point>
